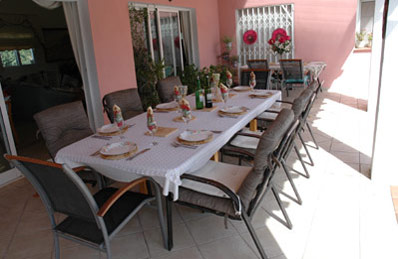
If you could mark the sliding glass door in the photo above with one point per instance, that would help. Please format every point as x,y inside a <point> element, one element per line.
<point>169,36</point>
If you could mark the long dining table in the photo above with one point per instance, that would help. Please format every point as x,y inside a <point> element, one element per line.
<point>164,162</point>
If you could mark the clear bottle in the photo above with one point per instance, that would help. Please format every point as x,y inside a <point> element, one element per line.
<point>199,97</point>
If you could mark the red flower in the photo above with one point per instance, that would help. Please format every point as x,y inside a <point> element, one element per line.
<point>279,33</point>
<point>250,37</point>
<point>282,39</point>
<point>271,41</point>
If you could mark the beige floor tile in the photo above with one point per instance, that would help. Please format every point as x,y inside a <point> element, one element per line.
<point>227,248</point>
<point>4,242</point>
<point>188,213</point>
<point>208,229</point>
<point>148,217</point>
<point>79,252</point>
<point>32,222</point>
<point>181,239</point>
<point>132,246</point>
<point>9,219</point>
<point>348,157</point>
<point>32,244</point>
<point>186,253</point>
<point>42,256</point>
<point>133,226</point>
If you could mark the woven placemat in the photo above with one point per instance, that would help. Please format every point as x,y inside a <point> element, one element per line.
<point>166,110</point>
<point>230,113</point>
<point>179,119</point>
<point>231,95</point>
<point>121,156</point>
<point>115,133</point>
<point>163,132</point>
<point>265,96</point>
<point>207,109</point>
<point>193,143</point>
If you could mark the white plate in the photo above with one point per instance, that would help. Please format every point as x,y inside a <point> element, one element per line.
<point>195,135</point>
<point>233,109</point>
<point>170,105</point>
<point>118,148</point>
<point>110,128</point>
<point>261,93</point>
<point>242,88</point>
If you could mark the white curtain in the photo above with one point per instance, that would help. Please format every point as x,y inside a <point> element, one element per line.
<point>78,21</point>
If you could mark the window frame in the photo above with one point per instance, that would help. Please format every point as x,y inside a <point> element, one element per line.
<point>174,9</point>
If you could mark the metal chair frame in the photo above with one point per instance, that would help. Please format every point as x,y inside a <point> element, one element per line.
<point>97,212</point>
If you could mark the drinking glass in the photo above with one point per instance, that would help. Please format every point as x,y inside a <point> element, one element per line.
<point>152,130</point>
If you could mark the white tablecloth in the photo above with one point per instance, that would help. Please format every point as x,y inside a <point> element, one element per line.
<point>164,162</point>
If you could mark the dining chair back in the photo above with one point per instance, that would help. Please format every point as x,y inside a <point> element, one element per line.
<point>262,77</point>
<point>92,220</point>
<point>240,195</point>
<point>128,100</point>
<point>293,73</point>
<point>63,125</point>
<point>258,63</point>
<point>255,185</point>
<point>165,88</point>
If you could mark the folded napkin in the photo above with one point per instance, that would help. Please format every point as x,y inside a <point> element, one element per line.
<point>252,81</point>
<point>151,123</point>
<point>186,109</point>
<point>229,81</point>
<point>117,115</point>
<point>177,93</point>
<point>224,91</point>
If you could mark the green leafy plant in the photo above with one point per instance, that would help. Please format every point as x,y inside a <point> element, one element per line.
<point>147,71</point>
<point>189,77</point>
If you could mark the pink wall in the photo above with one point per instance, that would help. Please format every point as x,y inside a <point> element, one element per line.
<point>112,39</point>
<point>324,30</point>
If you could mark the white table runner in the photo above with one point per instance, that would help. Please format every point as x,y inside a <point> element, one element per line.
<point>164,162</point>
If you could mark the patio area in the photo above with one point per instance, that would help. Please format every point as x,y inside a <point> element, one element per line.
<point>343,215</point>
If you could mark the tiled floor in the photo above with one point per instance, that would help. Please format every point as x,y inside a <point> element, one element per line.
<point>344,215</point>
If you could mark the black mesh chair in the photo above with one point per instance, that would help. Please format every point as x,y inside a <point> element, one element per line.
<point>262,77</point>
<point>128,100</point>
<point>236,191</point>
<point>293,74</point>
<point>63,125</point>
<point>165,88</point>
<point>91,220</point>
<point>258,63</point>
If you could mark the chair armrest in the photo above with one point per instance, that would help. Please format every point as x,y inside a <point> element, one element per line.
<point>108,204</point>
<point>239,150</point>
<point>234,197</point>
<point>280,101</point>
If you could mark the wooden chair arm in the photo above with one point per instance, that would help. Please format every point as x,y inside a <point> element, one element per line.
<point>107,205</point>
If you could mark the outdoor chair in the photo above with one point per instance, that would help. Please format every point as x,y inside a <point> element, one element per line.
<point>91,220</point>
<point>63,125</point>
<point>262,77</point>
<point>165,88</point>
<point>293,74</point>
<point>128,100</point>
<point>245,144</point>
<point>257,63</point>
<point>236,191</point>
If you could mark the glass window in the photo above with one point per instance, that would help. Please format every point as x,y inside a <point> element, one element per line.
<point>15,58</point>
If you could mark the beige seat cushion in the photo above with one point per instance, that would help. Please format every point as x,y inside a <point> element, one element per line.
<point>231,176</point>
<point>246,142</point>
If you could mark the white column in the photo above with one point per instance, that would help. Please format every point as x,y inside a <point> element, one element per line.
<point>384,170</point>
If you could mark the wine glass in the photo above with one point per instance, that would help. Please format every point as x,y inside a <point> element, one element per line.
<point>152,127</point>
<point>186,116</point>
<point>225,97</point>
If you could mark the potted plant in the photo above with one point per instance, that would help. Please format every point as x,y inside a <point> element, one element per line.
<point>370,38</point>
<point>359,39</point>
<point>228,43</point>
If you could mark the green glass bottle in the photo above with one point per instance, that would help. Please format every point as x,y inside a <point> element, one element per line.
<point>208,95</point>
<point>199,97</point>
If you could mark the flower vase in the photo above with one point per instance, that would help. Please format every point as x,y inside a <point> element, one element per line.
<point>279,56</point>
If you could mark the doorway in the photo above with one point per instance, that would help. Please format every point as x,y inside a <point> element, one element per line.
<point>37,70</point>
